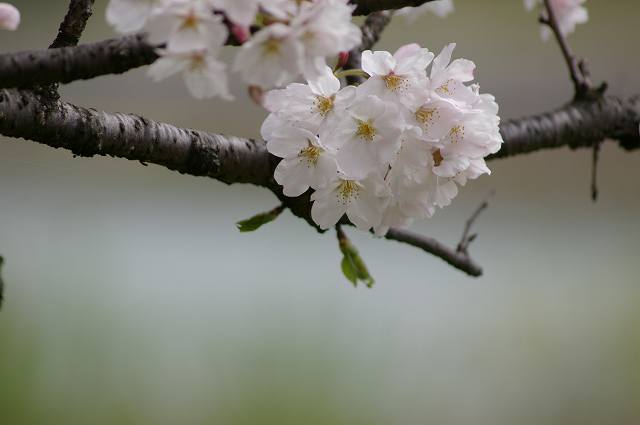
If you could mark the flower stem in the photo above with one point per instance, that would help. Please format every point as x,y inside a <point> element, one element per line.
<point>351,73</point>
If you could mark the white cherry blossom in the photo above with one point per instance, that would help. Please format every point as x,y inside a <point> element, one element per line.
<point>399,78</point>
<point>131,15</point>
<point>364,201</point>
<point>271,58</point>
<point>367,137</point>
<point>306,162</point>
<point>9,17</point>
<point>447,78</point>
<point>324,28</point>
<point>187,25</point>
<point>241,12</point>
<point>568,13</point>
<point>203,74</point>
<point>313,105</point>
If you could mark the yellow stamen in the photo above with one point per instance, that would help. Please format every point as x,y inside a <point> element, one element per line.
<point>393,81</point>
<point>426,116</point>
<point>311,154</point>
<point>445,89</point>
<point>456,133</point>
<point>190,21</point>
<point>324,105</point>
<point>197,61</point>
<point>366,131</point>
<point>347,190</point>
<point>272,46</point>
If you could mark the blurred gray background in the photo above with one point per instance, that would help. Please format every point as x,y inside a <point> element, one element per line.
<point>133,299</point>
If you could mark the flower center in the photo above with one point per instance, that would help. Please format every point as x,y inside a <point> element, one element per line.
<point>271,46</point>
<point>445,89</point>
<point>310,154</point>
<point>456,134</point>
<point>437,157</point>
<point>426,116</point>
<point>393,81</point>
<point>197,61</point>
<point>366,131</point>
<point>324,105</point>
<point>347,190</point>
<point>190,21</point>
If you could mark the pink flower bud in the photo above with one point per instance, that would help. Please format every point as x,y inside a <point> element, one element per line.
<point>9,17</point>
<point>240,33</point>
<point>343,57</point>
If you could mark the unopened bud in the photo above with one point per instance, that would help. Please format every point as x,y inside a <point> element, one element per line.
<point>343,57</point>
<point>240,33</point>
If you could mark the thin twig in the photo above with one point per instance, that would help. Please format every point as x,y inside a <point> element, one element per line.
<point>73,24</point>
<point>459,260</point>
<point>372,29</point>
<point>467,238</point>
<point>577,72</point>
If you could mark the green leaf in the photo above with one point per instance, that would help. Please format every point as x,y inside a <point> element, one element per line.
<point>353,266</point>
<point>349,270</point>
<point>257,221</point>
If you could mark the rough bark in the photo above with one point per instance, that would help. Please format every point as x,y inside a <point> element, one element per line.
<point>88,132</point>
<point>576,125</point>
<point>73,24</point>
<point>64,65</point>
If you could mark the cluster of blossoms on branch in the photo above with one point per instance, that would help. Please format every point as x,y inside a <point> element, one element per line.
<point>281,39</point>
<point>390,150</point>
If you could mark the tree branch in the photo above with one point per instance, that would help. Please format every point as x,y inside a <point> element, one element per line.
<point>73,24</point>
<point>459,260</point>
<point>576,125</point>
<point>365,7</point>
<point>467,237</point>
<point>68,64</point>
<point>371,32</point>
<point>87,132</point>
<point>581,82</point>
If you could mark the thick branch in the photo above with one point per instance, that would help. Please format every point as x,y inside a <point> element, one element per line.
<point>69,64</point>
<point>87,132</point>
<point>459,260</point>
<point>579,124</point>
<point>365,7</point>
<point>73,24</point>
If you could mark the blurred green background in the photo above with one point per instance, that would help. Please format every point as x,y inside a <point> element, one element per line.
<point>132,299</point>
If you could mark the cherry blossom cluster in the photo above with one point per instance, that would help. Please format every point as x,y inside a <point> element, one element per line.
<point>390,150</point>
<point>569,13</point>
<point>281,39</point>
